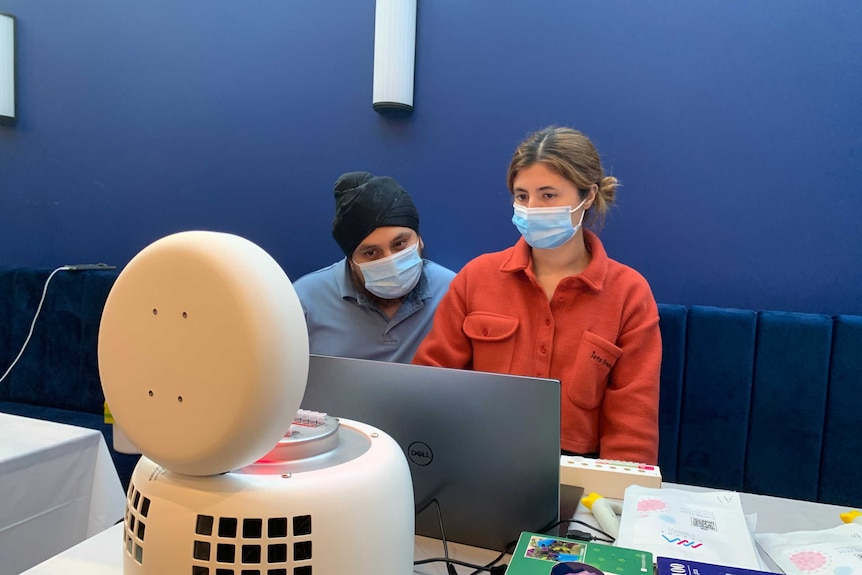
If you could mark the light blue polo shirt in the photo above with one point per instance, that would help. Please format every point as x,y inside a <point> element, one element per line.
<point>343,322</point>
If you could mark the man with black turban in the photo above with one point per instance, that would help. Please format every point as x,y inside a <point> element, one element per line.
<point>379,301</point>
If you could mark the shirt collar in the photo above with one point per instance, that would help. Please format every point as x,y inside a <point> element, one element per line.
<point>521,260</point>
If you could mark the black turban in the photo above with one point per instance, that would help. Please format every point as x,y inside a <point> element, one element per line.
<point>363,203</point>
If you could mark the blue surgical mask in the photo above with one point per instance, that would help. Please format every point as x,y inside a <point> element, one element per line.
<point>547,228</point>
<point>393,276</point>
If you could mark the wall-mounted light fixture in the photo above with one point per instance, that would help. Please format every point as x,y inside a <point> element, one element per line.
<point>7,67</point>
<point>394,54</point>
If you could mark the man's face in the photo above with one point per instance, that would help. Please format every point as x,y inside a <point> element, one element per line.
<point>382,242</point>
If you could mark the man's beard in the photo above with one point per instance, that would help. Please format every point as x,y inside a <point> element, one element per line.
<point>359,284</point>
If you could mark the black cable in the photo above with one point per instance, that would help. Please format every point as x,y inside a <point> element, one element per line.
<point>449,567</point>
<point>511,546</point>
<point>508,549</point>
<point>456,562</point>
<point>450,563</point>
<point>440,522</point>
<point>579,522</point>
<point>610,538</point>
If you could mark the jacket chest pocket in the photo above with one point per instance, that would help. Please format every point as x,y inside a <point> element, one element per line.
<point>595,359</point>
<point>493,339</point>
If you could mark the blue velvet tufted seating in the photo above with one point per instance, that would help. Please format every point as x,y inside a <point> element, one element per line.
<point>765,402</point>
<point>57,377</point>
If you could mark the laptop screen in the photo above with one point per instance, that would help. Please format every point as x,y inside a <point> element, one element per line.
<point>485,445</point>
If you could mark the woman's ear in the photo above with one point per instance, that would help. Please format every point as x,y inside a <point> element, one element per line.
<point>591,196</point>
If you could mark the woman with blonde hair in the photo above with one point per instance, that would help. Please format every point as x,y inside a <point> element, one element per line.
<point>555,305</point>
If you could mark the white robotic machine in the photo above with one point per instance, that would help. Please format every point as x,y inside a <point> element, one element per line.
<point>203,356</point>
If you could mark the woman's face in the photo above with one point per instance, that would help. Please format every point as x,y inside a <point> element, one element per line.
<point>538,186</point>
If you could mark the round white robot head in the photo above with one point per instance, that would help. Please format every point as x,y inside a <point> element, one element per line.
<point>203,352</point>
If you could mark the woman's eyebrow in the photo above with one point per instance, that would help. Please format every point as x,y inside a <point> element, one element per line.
<point>542,189</point>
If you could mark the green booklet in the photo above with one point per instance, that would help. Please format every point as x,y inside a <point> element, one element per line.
<point>538,554</point>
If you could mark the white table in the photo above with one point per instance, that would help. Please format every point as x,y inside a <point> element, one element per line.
<point>58,486</point>
<point>103,554</point>
<point>774,515</point>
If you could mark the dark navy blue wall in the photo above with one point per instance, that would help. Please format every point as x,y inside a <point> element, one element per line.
<point>735,127</point>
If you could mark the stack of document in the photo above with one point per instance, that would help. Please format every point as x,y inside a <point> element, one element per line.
<point>837,550</point>
<point>707,527</point>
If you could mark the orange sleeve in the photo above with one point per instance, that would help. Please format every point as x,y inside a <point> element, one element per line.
<point>629,417</point>
<point>446,345</point>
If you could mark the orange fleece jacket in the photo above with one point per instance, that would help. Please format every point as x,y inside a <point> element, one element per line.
<point>598,335</point>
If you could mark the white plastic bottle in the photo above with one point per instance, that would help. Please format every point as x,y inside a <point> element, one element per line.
<point>606,513</point>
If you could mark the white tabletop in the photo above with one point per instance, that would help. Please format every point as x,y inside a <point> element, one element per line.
<point>774,515</point>
<point>58,486</point>
<point>779,515</point>
<point>103,554</point>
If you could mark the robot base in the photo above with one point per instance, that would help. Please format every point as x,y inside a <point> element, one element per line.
<point>339,502</point>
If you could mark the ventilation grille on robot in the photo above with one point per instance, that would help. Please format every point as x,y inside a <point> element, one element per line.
<point>137,510</point>
<point>232,545</point>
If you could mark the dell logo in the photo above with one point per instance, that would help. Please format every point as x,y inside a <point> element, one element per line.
<point>419,453</point>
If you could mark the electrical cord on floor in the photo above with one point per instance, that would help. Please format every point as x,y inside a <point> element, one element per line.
<point>33,324</point>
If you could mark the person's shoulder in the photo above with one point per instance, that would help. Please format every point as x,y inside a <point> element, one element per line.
<point>436,270</point>
<point>629,279</point>
<point>621,271</point>
<point>316,277</point>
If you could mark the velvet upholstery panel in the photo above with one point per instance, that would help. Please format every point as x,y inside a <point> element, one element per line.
<point>788,404</point>
<point>47,371</point>
<point>22,289</point>
<point>7,326</point>
<point>59,367</point>
<point>672,320</point>
<point>57,377</point>
<point>716,400</point>
<point>841,464</point>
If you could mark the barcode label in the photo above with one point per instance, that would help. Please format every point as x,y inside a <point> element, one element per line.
<point>705,524</point>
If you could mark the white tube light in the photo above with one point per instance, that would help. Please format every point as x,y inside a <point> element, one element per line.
<point>7,67</point>
<point>394,55</point>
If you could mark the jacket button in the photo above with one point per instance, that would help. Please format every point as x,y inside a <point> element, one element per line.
<point>543,349</point>
<point>547,321</point>
<point>484,331</point>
